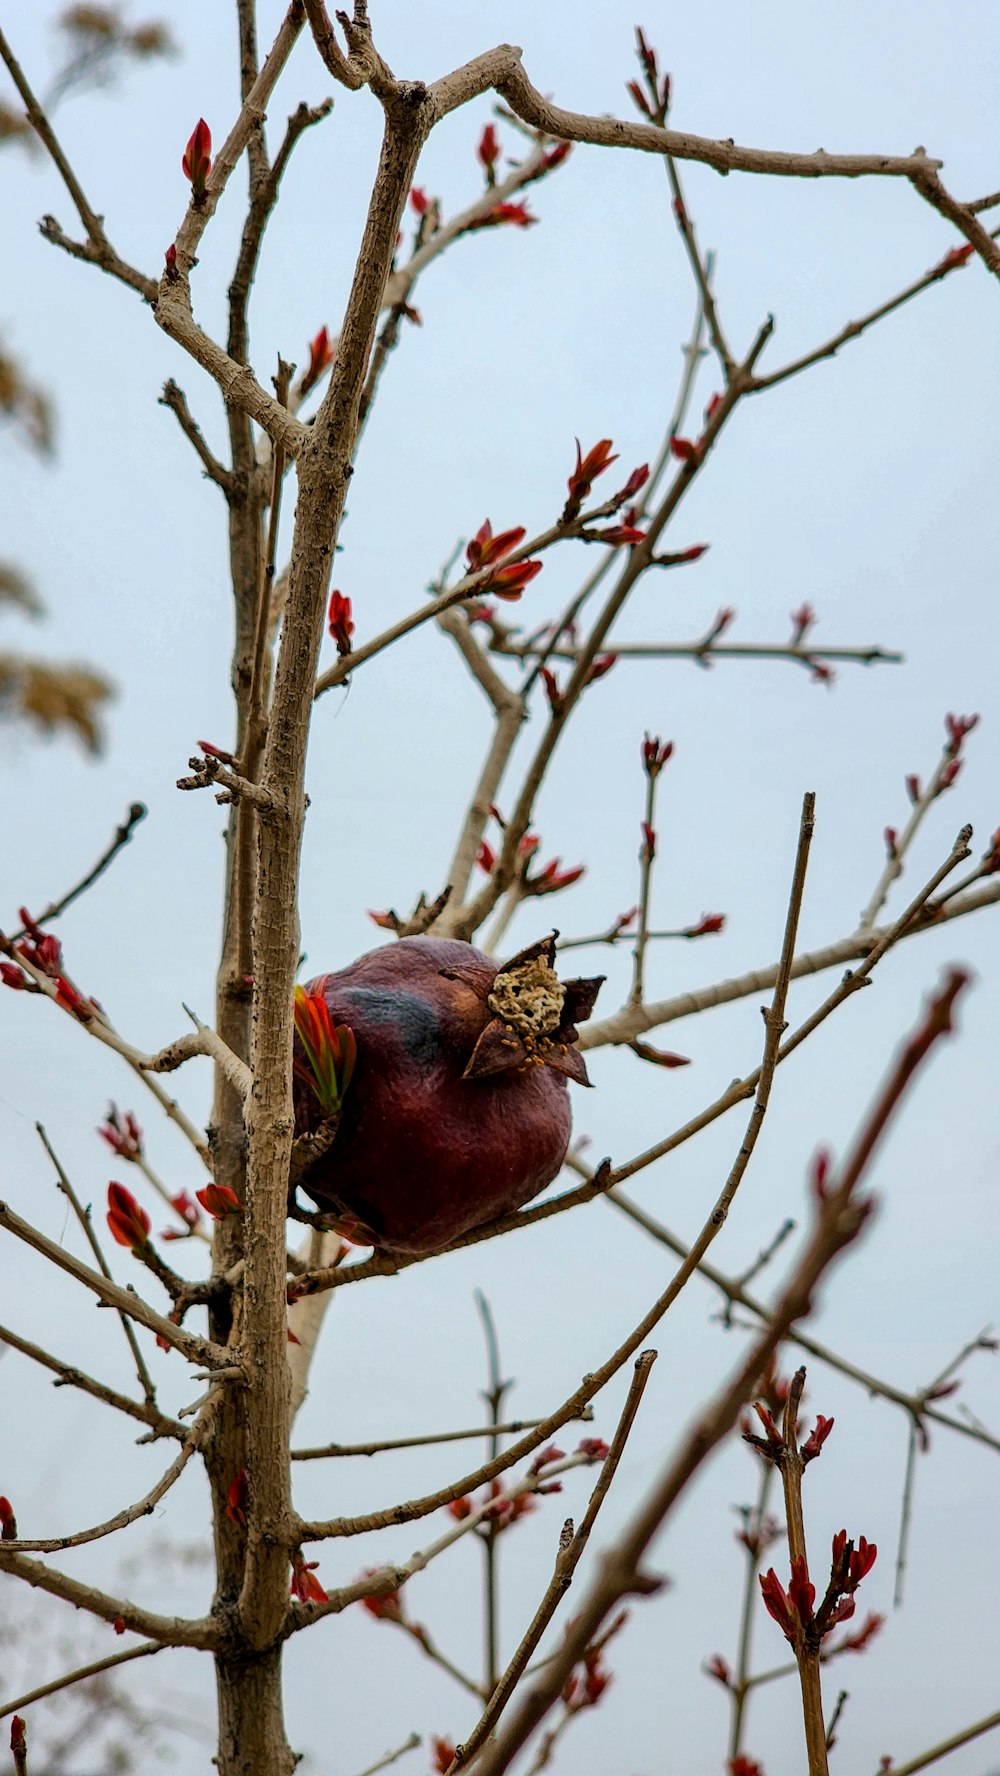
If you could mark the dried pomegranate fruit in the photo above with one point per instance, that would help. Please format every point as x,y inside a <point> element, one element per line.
<point>457,1110</point>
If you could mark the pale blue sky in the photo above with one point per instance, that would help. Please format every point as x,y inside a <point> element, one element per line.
<point>867,487</point>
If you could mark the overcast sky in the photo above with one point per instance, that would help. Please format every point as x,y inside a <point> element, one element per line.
<point>867,487</point>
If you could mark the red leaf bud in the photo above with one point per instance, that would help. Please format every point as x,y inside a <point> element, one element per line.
<point>552,691</point>
<point>594,1448</point>
<point>660,1057</point>
<point>655,754</point>
<point>486,548</point>
<point>955,257</point>
<point>957,727</point>
<point>339,623</point>
<point>816,1438</point>
<point>238,1498</point>
<point>320,358</point>
<point>555,156</point>
<point>128,1221</point>
<point>636,480</point>
<point>219,1201</point>
<point>196,163</point>
<point>488,152</point>
<point>305,1586</point>
<point>707,925</point>
<point>776,1602</point>
<point>684,449</point>
<point>633,87</point>
<point>596,461</point>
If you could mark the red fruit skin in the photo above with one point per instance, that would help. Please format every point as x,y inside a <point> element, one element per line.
<point>421,1154</point>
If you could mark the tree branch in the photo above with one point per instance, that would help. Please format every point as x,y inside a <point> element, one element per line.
<point>197,1350</point>
<point>501,69</point>
<point>571,1547</point>
<point>146,1412</point>
<point>143,1507</point>
<point>80,1675</point>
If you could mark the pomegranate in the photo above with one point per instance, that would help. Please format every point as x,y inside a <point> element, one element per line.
<point>457,1109</point>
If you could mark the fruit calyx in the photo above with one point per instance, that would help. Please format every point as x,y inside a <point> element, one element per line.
<point>534,1016</point>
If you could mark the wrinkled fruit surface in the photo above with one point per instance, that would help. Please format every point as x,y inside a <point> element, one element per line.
<point>458,1110</point>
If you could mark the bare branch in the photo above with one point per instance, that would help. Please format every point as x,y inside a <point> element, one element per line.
<point>925,179</point>
<point>98,249</point>
<point>143,1507</point>
<point>735,1292</point>
<point>703,655</point>
<point>84,1218</point>
<point>840,1215</point>
<point>501,69</point>
<point>171,1630</point>
<point>68,1375</point>
<point>122,836</point>
<point>409,1744</point>
<point>510,1429</point>
<point>175,398</point>
<point>252,113</point>
<point>197,1350</point>
<point>947,1746</point>
<point>571,1547</point>
<point>623,1025</point>
<point>80,1675</point>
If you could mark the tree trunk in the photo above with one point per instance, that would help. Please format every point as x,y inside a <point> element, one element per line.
<point>251,1725</point>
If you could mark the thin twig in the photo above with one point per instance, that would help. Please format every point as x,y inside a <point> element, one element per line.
<point>704,655</point>
<point>623,1025</point>
<point>647,854</point>
<point>99,248</point>
<point>905,1512</point>
<point>388,1579</point>
<point>197,1350</point>
<point>419,1634</point>
<point>740,1684</point>
<point>791,1466</point>
<point>511,1429</point>
<point>496,1389</point>
<point>409,1744</point>
<point>174,397</point>
<point>947,1746</point>
<point>838,1709</point>
<point>84,1218</point>
<point>902,842</point>
<point>143,1507</point>
<point>171,1630</point>
<point>735,1293</point>
<point>68,1375</point>
<point>80,1675</point>
<point>123,833</point>
<point>571,1547</point>
<point>841,1213</point>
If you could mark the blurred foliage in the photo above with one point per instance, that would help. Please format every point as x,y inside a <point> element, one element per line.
<point>95,44</point>
<point>25,405</point>
<point>53,697</point>
<point>17,589</point>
